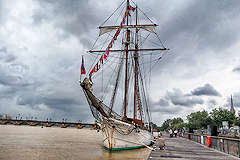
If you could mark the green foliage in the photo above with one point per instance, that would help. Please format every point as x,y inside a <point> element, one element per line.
<point>154,126</point>
<point>220,114</point>
<point>237,122</point>
<point>175,123</point>
<point>165,125</point>
<point>179,125</point>
<point>199,120</point>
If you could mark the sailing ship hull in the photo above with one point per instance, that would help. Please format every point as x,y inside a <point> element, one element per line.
<point>119,135</point>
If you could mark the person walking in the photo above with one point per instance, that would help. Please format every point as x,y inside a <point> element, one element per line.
<point>171,133</point>
<point>175,133</point>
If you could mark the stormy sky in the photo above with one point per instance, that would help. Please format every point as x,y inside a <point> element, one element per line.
<point>42,41</point>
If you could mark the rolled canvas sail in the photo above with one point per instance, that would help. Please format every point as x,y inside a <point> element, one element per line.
<point>149,28</point>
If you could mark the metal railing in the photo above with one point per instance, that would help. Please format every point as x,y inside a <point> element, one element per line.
<point>227,145</point>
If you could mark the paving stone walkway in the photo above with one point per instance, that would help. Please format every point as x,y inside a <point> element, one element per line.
<point>183,149</point>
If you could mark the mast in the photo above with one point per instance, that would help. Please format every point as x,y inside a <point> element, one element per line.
<point>137,100</point>
<point>135,68</point>
<point>126,71</point>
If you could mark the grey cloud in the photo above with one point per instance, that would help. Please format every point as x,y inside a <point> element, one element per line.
<point>163,102</point>
<point>175,102</point>
<point>171,110</point>
<point>13,75</point>
<point>212,102</point>
<point>67,16</point>
<point>5,55</point>
<point>64,104</point>
<point>206,90</point>
<point>237,69</point>
<point>203,21</point>
<point>57,99</point>
<point>178,98</point>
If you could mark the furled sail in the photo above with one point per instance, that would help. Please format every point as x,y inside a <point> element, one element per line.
<point>151,29</point>
<point>106,29</point>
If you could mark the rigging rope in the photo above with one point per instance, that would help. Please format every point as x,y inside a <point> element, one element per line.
<point>113,12</point>
<point>143,13</point>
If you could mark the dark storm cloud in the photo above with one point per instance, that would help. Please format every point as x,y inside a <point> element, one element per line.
<point>207,22</point>
<point>163,106</point>
<point>170,110</point>
<point>59,103</point>
<point>175,102</point>
<point>206,90</point>
<point>1,11</point>
<point>12,79</point>
<point>163,102</point>
<point>5,55</point>
<point>77,18</point>
<point>12,73</point>
<point>237,69</point>
<point>178,98</point>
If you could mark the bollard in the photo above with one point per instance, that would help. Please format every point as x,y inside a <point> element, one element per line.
<point>209,141</point>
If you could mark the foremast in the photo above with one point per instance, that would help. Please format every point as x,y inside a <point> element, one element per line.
<point>127,43</point>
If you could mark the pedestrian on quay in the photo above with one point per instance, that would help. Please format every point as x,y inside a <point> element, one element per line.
<point>171,133</point>
<point>175,133</point>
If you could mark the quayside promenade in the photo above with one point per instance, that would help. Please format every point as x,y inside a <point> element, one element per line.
<point>182,148</point>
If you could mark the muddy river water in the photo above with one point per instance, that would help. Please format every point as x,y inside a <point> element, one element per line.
<point>30,143</point>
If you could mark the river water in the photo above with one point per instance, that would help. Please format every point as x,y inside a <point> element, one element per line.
<point>36,143</point>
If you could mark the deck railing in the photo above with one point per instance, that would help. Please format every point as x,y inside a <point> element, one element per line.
<point>228,145</point>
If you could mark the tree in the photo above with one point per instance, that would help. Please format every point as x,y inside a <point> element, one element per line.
<point>176,121</point>
<point>220,114</point>
<point>237,122</point>
<point>165,125</point>
<point>179,125</point>
<point>154,126</point>
<point>199,120</point>
<point>171,123</point>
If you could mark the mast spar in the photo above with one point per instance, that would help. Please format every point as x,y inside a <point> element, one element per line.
<point>126,67</point>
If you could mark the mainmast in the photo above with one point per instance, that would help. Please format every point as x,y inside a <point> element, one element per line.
<point>126,67</point>
<point>135,69</point>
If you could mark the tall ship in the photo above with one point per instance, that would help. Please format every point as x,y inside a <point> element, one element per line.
<point>118,83</point>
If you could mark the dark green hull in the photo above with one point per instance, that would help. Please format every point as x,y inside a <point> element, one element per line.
<point>126,148</point>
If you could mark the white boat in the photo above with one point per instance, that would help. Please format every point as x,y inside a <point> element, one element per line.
<point>123,130</point>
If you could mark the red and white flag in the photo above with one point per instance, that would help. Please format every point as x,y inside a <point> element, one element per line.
<point>83,71</point>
